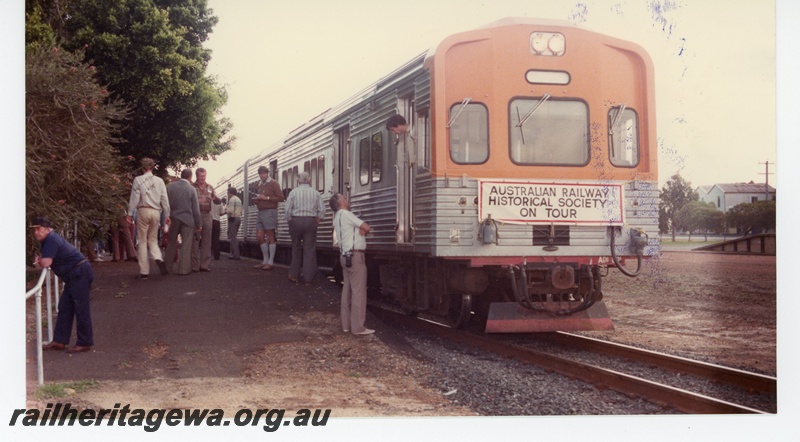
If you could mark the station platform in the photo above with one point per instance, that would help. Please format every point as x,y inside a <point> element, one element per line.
<point>175,326</point>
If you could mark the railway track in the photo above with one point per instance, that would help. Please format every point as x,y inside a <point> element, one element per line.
<point>634,371</point>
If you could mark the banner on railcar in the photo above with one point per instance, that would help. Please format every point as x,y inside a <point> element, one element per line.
<point>526,202</point>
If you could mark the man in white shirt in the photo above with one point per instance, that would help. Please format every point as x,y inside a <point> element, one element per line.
<point>148,199</point>
<point>235,211</point>
<point>350,233</point>
<point>217,210</point>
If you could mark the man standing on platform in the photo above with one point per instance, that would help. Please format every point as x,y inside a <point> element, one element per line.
<point>201,250</point>
<point>148,199</point>
<point>304,211</point>
<point>235,211</point>
<point>267,199</point>
<point>216,212</point>
<point>350,233</point>
<point>76,272</point>
<point>186,222</point>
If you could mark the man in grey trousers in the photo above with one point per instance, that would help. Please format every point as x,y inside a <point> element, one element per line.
<point>185,220</point>
<point>304,210</point>
<point>235,211</point>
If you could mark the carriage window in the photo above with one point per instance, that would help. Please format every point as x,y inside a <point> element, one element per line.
<point>545,131</point>
<point>623,137</point>
<point>363,161</point>
<point>370,159</point>
<point>294,177</point>
<point>321,173</point>
<point>423,140</point>
<point>377,156</point>
<point>285,179</point>
<point>469,133</point>
<point>312,173</point>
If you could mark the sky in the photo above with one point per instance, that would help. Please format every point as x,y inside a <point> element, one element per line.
<point>715,65</point>
<point>285,62</point>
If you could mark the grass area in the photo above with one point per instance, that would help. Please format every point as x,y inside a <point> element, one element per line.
<point>684,244</point>
<point>59,389</point>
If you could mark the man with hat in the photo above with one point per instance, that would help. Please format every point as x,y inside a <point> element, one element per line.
<point>76,272</point>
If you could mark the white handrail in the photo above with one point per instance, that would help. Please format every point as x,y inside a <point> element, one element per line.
<point>37,291</point>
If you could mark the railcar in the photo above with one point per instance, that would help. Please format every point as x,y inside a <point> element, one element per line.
<point>529,170</point>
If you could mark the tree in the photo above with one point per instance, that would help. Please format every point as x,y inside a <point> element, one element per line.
<point>72,171</point>
<point>675,194</point>
<point>713,220</point>
<point>149,53</point>
<point>750,217</point>
<point>698,215</point>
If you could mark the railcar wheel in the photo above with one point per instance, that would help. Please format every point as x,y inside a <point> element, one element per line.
<point>460,311</point>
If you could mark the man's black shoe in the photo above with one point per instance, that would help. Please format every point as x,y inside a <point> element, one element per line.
<point>162,266</point>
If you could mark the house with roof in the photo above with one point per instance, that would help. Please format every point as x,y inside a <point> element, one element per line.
<point>725,196</point>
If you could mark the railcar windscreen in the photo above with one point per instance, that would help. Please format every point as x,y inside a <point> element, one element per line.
<point>556,133</point>
<point>469,134</point>
<point>623,137</point>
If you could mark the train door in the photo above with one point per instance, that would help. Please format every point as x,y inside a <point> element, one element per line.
<point>406,152</point>
<point>341,163</point>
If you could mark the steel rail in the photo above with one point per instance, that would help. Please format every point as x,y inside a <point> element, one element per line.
<point>683,400</point>
<point>718,373</point>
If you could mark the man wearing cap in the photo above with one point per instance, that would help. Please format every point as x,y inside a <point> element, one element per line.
<point>148,199</point>
<point>76,272</point>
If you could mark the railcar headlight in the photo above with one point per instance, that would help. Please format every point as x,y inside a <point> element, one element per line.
<point>538,43</point>
<point>548,43</point>
<point>556,44</point>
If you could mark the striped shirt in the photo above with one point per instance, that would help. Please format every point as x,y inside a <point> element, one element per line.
<point>148,191</point>
<point>235,207</point>
<point>304,201</point>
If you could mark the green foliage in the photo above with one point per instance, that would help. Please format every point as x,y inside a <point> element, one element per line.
<point>58,390</point>
<point>675,194</point>
<point>72,171</point>
<point>698,215</point>
<point>37,31</point>
<point>749,217</point>
<point>149,53</point>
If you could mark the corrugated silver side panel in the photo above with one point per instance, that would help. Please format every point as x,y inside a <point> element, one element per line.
<point>378,209</point>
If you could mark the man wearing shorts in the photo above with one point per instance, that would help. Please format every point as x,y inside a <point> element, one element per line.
<point>267,199</point>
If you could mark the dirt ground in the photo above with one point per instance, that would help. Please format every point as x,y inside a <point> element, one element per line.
<point>281,346</point>
<point>716,307</point>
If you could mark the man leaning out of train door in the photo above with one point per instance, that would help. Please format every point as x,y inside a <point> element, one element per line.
<point>266,200</point>
<point>350,233</point>
<point>398,125</point>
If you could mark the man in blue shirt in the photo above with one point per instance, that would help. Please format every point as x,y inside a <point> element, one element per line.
<point>76,272</point>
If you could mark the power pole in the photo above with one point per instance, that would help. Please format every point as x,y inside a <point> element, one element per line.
<point>766,183</point>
